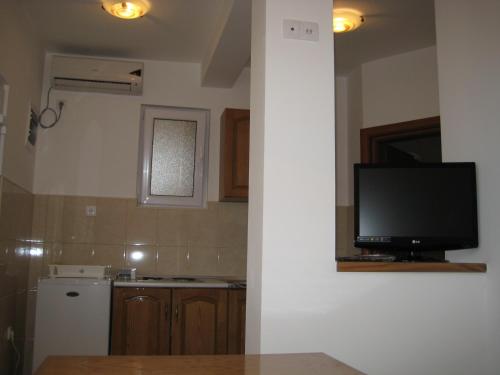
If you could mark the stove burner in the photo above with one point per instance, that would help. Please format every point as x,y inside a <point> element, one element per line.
<point>183,279</point>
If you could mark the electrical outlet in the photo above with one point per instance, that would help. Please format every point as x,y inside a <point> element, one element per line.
<point>91,210</point>
<point>9,334</point>
<point>310,31</point>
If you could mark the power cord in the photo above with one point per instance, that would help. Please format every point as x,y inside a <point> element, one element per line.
<point>48,109</point>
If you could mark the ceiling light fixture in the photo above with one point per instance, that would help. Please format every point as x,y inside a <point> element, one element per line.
<point>345,20</point>
<point>127,10</point>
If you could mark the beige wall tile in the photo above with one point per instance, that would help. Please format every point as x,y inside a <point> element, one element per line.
<point>110,221</point>
<point>144,258</point>
<point>16,218</point>
<point>17,212</point>
<point>233,223</point>
<point>53,253</point>
<point>8,273</point>
<point>141,224</point>
<point>21,264</point>
<point>77,226</point>
<point>202,225</point>
<point>7,318</point>
<point>75,254</point>
<point>108,255</point>
<point>119,221</point>
<point>54,218</point>
<point>24,209</point>
<point>198,261</point>
<point>20,324</point>
<point>232,262</point>
<point>40,206</point>
<point>173,226</point>
<point>168,260</point>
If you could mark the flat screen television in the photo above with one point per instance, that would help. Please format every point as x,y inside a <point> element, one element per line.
<point>416,208</point>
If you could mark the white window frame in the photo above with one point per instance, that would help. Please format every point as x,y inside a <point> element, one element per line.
<point>202,118</point>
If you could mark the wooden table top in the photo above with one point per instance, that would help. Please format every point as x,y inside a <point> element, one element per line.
<point>267,364</point>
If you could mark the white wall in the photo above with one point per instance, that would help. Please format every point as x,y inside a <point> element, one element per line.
<point>469,82</point>
<point>21,62</point>
<point>92,151</point>
<point>381,323</point>
<point>397,88</point>
<point>400,88</point>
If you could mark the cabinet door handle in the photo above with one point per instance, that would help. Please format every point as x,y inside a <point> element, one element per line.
<point>177,312</point>
<point>166,311</point>
<point>139,298</point>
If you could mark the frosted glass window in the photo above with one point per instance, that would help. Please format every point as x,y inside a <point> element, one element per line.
<point>173,156</point>
<point>172,169</point>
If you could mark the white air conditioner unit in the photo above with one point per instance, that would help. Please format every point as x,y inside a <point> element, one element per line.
<point>98,75</point>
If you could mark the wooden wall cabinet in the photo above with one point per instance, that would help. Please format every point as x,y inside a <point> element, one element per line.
<point>236,321</point>
<point>141,321</point>
<point>234,155</point>
<point>199,322</point>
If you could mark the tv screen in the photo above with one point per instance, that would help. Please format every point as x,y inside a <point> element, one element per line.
<point>415,208</point>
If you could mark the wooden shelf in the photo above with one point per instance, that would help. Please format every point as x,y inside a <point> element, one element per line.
<point>409,267</point>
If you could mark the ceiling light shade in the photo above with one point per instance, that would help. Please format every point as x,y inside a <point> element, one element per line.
<point>345,20</point>
<point>127,10</point>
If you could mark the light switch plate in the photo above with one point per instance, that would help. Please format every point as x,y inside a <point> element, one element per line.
<point>292,29</point>
<point>301,30</point>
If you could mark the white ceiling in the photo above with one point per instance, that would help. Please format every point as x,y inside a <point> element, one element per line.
<point>175,30</point>
<point>189,30</point>
<point>390,27</point>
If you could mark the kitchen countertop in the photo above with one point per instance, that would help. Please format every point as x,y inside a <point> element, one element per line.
<point>172,283</point>
<point>269,364</point>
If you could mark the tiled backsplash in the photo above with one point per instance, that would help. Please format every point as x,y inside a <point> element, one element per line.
<point>157,241</point>
<point>15,231</point>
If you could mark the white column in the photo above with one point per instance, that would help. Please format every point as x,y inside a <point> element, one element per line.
<point>291,245</point>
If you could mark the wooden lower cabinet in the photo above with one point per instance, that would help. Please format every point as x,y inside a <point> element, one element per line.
<point>179,321</point>
<point>141,321</point>
<point>236,321</point>
<point>199,321</point>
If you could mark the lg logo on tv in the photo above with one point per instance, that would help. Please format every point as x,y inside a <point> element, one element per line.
<point>415,242</point>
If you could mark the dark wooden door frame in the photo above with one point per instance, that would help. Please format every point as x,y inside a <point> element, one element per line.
<point>371,137</point>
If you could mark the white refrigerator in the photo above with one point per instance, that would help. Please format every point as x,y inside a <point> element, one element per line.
<point>72,318</point>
